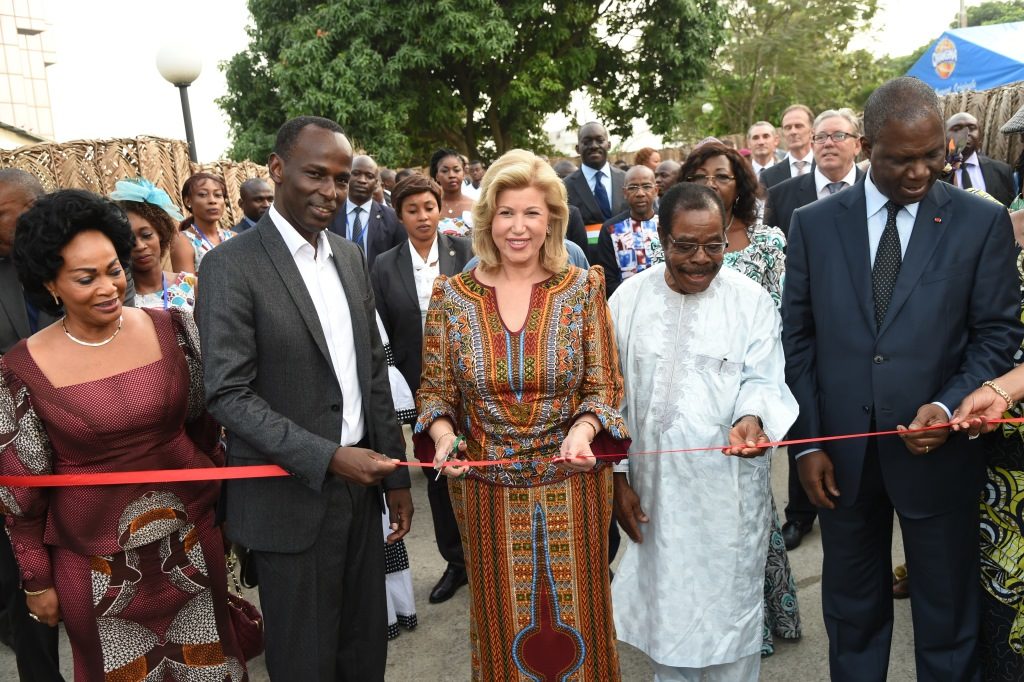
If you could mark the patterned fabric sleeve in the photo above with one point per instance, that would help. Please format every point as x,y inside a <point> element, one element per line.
<point>601,390</point>
<point>772,243</point>
<point>438,395</point>
<point>24,451</point>
<point>200,426</point>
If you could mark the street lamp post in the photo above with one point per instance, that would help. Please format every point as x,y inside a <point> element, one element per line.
<point>180,66</point>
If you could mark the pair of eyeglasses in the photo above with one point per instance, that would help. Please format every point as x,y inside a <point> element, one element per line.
<point>819,138</point>
<point>690,248</point>
<point>646,187</point>
<point>717,178</point>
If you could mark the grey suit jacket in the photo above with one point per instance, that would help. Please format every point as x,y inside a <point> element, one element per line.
<point>394,290</point>
<point>270,382</point>
<point>789,195</point>
<point>581,196</point>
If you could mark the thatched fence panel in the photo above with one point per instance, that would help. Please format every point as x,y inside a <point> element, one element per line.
<point>992,108</point>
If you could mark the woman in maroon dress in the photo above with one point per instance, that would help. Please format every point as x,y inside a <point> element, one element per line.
<point>135,571</point>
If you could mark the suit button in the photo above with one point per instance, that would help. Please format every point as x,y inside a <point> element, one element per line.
<point>335,407</point>
<point>866,408</point>
<point>878,359</point>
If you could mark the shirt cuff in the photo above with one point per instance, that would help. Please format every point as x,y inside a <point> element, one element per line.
<point>949,415</point>
<point>804,452</point>
<point>621,467</point>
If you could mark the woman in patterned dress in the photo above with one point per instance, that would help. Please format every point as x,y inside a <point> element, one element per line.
<point>757,251</point>
<point>446,170</point>
<point>152,217</point>
<point>136,572</point>
<point>204,196</point>
<point>519,358</point>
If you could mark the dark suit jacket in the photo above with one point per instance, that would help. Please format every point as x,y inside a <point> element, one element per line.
<point>576,230</point>
<point>241,226</point>
<point>998,179</point>
<point>952,323</point>
<point>603,254</point>
<point>394,290</point>
<point>270,382</point>
<point>780,172</point>
<point>582,197</point>
<point>789,195</point>
<point>384,230</point>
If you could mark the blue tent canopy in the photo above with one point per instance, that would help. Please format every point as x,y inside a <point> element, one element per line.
<point>976,58</point>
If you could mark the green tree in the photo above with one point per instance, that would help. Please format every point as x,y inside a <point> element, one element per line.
<point>777,52</point>
<point>993,12</point>
<point>478,75</point>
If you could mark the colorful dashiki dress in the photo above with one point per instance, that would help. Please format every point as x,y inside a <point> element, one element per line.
<point>139,570</point>
<point>201,244</point>
<point>179,292</point>
<point>460,226</point>
<point>764,261</point>
<point>535,537</point>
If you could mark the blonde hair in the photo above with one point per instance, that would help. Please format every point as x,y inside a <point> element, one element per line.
<point>519,169</point>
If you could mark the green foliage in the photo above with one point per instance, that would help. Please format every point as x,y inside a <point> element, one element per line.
<point>778,52</point>
<point>993,12</point>
<point>404,77</point>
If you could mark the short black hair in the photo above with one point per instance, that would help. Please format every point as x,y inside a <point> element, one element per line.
<point>404,173</point>
<point>28,183</point>
<point>289,132</point>
<point>906,98</point>
<point>45,229</point>
<point>748,189</point>
<point>411,186</point>
<point>438,156</point>
<point>686,196</point>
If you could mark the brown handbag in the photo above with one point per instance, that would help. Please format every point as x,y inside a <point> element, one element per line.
<point>245,617</point>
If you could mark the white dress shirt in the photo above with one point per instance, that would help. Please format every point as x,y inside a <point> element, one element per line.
<point>972,168</point>
<point>821,182</point>
<point>424,272</point>
<point>758,167</point>
<point>320,275</point>
<point>364,218</point>
<point>606,180</point>
<point>790,159</point>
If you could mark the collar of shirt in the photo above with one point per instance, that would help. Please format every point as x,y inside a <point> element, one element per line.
<point>971,160</point>
<point>367,207</point>
<point>876,217</point>
<point>809,158</point>
<point>820,180</point>
<point>876,201</point>
<point>589,172</point>
<point>249,221</point>
<point>432,257</point>
<point>295,241</point>
<point>758,167</point>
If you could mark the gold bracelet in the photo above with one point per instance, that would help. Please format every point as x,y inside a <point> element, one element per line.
<point>29,593</point>
<point>1010,402</point>
<point>584,421</point>
<point>446,433</point>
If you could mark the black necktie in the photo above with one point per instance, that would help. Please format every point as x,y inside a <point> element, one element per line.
<point>357,227</point>
<point>888,259</point>
<point>965,178</point>
<point>601,195</point>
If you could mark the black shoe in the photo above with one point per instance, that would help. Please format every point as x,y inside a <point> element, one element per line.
<point>793,532</point>
<point>453,578</point>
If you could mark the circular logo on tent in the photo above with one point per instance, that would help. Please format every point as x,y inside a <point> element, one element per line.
<point>944,58</point>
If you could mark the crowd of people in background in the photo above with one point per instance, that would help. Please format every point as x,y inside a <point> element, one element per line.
<point>533,325</point>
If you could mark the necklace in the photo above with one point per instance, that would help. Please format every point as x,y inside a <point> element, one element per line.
<point>97,344</point>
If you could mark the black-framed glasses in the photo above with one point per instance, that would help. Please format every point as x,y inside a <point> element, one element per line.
<point>819,138</point>
<point>690,248</point>
<point>645,187</point>
<point>717,178</point>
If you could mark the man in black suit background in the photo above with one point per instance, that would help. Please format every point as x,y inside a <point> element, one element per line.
<point>254,198</point>
<point>901,296</point>
<point>797,122</point>
<point>34,643</point>
<point>977,170</point>
<point>596,188</point>
<point>373,226</point>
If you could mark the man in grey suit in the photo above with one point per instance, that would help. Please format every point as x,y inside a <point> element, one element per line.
<point>596,188</point>
<point>34,643</point>
<point>295,371</point>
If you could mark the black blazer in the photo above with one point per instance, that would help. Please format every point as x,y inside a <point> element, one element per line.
<point>394,290</point>
<point>384,231</point>
<point>603,254</point>
<point>998,179</point>
<point>582,197</point>
<point>789,195</point>
<point>952,323</point>
<point>780,172</point>
<point>576,231</point>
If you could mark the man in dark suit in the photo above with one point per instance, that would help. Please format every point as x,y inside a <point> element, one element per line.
<point>977,170</point>
<point>596,188</point>
<point>34,643</point>
<point>797,122</point>
<point>373,226</point>
<point>254,198</point>
<point>901,297</point>
<point>295,371</point>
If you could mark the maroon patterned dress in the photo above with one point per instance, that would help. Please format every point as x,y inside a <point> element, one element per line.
<point>138,569</point>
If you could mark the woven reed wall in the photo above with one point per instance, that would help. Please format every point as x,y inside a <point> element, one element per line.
<point>992,108</point>
<point>96,165</point>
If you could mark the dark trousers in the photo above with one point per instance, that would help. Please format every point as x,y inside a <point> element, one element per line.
<point>446,529</point>
<point>799,509</point>
<point>325,609</point>
<point>34,644</point>
<point>943,558</point>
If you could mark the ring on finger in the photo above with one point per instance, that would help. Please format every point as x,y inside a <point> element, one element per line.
<point>927,449</point>
<point>34,617</point>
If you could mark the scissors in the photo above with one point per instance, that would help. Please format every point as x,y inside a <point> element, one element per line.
<point>450,453</point>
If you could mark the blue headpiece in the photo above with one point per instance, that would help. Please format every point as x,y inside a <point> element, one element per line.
<point>141,190</point>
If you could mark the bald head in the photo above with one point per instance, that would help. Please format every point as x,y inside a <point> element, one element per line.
<point>666,175</point>
<point>254,198</point>
<point>18,191</point>
<point>964,130</point>
<point>640,192</point>
<point>904,99</point>
<point>364,180</point>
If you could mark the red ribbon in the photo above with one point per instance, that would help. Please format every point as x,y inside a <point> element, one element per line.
<point>272,470</point>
